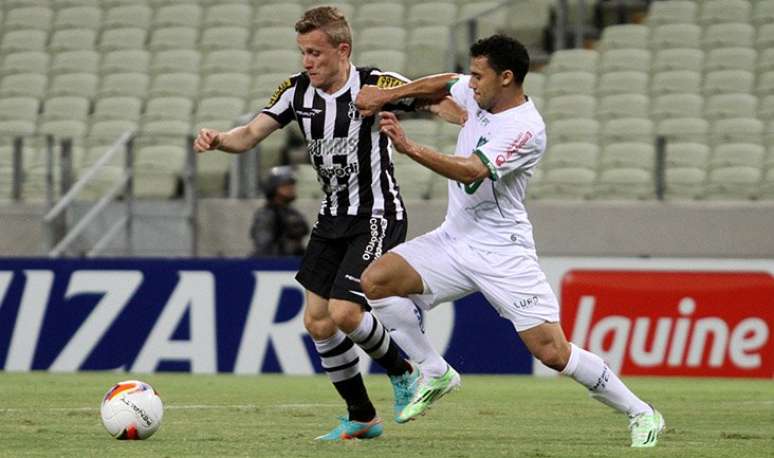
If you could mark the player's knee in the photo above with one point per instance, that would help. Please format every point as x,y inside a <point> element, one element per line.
<point>373,282</point>
<point>319,328</point>
<point>344,316</point>
<point>552,356</point>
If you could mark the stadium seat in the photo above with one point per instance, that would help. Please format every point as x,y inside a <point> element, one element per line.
<point>117,108</point>
<point>35,17</point>
<point>65,107</point>
<point>765,60</point>
<point>675,82</point>
<point>570,106</point>
<point>423,131</point>
<point>23,85</point>
<point>219,108</point>
<point>267,38</point>
<point>278,15</point>
<point>763,12</point>
<point>262,88</point>
<point>766,108</point>
<point>678,106</point>
<point>570,83</point>
<point>731,106</point>
<point>375,38</point>
<point>348,9</point>
<point>231,15</point>
<point>225,85</point>
<point>234,60</point>
<point>84,61</point>
<point>768,138</point>
<point>75,84</point>
<point>175,61</point>
<point>627,36</point>
<point>672,12</point>
<point>737,130</point>
<point>624,184</point>
<point>431,14</point>
<point>627,130</point>
<point>628,155</point>
<point>88,17</point>
<point>175,84</point>
<point>276,61</point>
<point>729,35</point>
<point>217,38</point>
<point>728,81</point>
<point>692,130</point>
<point>157,168</point>
<point>122,38</point>
<point>26,62</point>
<point>767,186</point>
<point>116,3</point>
<point>60,129</point>
<point>427,51</point>
<point>163,132</point>
<point>528,20</point>
<point>685,154</point>
<point>574,60</point>
<point>719,11</point>
<point>23,40</point>
<point>573,130</point>
<point>125,60</point>
<point>765,84</point>
<point>386,60</point>
<point>102,134</point>
<point>125,84</point>
<point>732,183</point>
<point>684,183</point>
<point>618,60</point>
<point>177,15</point>
<point>168,108</point>
<point>737,154</point>
<point>673,36</point>
<point>566,183</point>
<point>379,14</point>
<point>678,59</point>
<point>765,38</point>
<point>72,40</point>
<point>18,109</point>
<point>413,179</point>
<point>623,106</point>
<point>626,82</point>
<point>534,83</point>
<point>129,15</point>
<point>173,38</point>
<point>571,154</point>
<point>735,58</point>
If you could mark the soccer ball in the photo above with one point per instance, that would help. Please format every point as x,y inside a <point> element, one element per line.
<point>131,410</point>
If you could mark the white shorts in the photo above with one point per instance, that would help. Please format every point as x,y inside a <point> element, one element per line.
<point>450,268</point>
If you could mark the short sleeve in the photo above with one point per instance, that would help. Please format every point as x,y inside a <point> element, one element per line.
<point>460,90</point>
<point>512,150</point>
<point>280,106</point>
<point>392,79</point>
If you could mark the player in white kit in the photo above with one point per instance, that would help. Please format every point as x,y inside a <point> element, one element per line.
<point>485,243</point>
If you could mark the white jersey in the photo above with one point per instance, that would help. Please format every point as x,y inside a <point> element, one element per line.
<point>490,213</point>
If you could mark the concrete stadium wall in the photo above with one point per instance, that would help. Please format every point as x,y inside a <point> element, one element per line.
<point>717,229</point>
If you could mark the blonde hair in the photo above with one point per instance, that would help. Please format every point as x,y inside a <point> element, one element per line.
<point>330,20</point>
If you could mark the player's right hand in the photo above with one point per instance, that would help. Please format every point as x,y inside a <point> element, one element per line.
<point>208,139</point>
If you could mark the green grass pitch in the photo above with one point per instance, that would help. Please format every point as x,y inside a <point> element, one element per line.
<point>43,414</point>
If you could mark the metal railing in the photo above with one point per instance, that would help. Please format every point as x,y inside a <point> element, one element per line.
<point>54,219</point>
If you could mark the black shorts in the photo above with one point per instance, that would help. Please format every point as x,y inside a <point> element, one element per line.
<point>340,248</point>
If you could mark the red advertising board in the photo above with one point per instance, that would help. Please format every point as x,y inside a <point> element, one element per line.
<point>715,324</point>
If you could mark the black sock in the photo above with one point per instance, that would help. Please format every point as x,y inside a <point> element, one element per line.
<point>374,339</point>
<point>354,392</point>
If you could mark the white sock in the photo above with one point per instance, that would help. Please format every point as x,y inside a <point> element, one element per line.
<point>402,319</point>
<point>590,371</point>
<point>371,336</point>
<point>339,358</point>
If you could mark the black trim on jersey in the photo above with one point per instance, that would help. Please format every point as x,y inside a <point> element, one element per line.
<point>302,84</point>
<point>318,120</point>
<point>342,121</point>
<point>388,175</point>
<point>364,145</point>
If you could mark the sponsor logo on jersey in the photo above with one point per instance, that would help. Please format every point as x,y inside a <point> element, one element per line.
<point>284,86</point>
<point>324,147</point>
<point>307,112</point>
<point>388,81</point>
<point>377,228</point>
<point>673,323</point>
<point>338,171</point>
<point>514,148</point>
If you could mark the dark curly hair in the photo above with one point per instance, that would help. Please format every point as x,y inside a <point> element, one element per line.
<point>503,53</point>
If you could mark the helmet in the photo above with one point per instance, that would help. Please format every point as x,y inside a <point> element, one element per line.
<point>277,177</point>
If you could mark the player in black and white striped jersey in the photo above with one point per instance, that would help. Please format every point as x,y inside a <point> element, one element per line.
<point>361,217</point>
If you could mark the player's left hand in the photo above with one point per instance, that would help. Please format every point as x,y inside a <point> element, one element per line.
<point>389,125</point>
<point>369,100</point>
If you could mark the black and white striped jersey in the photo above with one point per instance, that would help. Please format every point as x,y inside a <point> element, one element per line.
<point>352,158</point>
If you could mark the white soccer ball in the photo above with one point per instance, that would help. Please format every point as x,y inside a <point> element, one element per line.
<point>132,410</point>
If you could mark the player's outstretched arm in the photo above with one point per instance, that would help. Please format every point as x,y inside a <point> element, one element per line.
<point>371,99</point>
<point>466,170</point>
<point>238,139</point>
<point>448,110</point>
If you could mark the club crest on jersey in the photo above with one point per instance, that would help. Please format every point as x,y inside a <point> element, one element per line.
<point>353,112</point>
<point>307,112</point>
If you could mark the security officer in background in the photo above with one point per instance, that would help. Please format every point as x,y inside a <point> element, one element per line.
<point>279,229</point>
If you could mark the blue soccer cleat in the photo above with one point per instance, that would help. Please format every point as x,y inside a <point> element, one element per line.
<point>350,429</point>
<point>405,387</point>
